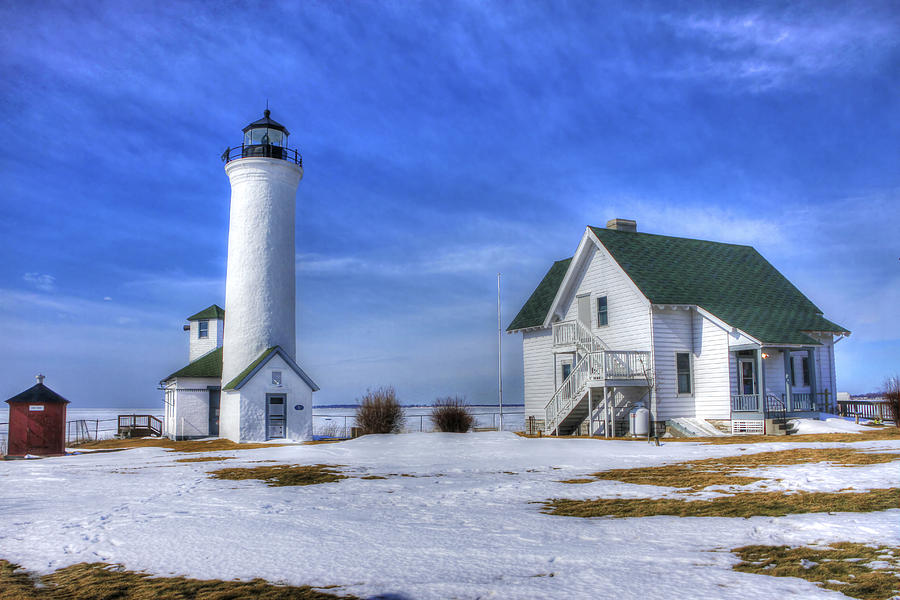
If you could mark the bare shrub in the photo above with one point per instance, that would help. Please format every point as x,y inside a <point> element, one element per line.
<point>892,396</point>
<point>452,414</point>
<point>380,412</point>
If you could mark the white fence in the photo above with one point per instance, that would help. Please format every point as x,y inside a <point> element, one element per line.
<point>338,423</point>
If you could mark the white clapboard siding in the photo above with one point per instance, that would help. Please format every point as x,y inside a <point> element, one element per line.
<point>672,333</point>
<point>199,346</point>
<point>192,406</point>
<point>629,316</point>
<point>712,369</point>
<point>733,374</point>
<point>537,350</point>
<point>774,367</point>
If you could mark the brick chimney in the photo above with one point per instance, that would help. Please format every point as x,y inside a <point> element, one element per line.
<point>622,225</point>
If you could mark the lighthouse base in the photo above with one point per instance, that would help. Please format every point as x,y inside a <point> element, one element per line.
<point>271,400</point>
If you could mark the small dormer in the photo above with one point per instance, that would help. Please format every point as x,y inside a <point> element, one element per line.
<point>207,329</point>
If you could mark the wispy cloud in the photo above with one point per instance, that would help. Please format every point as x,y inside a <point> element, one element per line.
<point>41,281</point>
<point>767,49</point>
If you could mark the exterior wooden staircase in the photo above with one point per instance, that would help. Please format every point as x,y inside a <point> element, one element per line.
<point>595,365</point>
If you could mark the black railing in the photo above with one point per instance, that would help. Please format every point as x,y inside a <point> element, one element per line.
<point>262,151</point>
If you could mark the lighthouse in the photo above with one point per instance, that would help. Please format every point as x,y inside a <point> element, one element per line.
<point>260,284</point>
<point>265,394</point>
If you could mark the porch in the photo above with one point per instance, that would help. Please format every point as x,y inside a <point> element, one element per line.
<point>775,383</point>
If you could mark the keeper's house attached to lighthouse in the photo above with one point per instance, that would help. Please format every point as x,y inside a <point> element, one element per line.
<point>243,382</point>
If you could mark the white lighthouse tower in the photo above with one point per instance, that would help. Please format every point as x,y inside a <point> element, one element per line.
<point>265,394</point>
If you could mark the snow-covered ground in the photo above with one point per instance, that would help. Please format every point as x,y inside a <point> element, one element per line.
<point>466,525</point>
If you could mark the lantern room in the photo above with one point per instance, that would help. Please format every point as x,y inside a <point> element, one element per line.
<point>265,138</point>
<point>37,422</point>
<point>266,131</point>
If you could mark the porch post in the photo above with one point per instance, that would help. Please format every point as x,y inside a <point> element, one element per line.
<point>590,411</point>
<point>761,381</point>
<point>788,384</point>
<point>811,373</point>
<point>606,411</point>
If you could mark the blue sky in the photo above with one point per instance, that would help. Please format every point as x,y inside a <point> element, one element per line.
<point>443,142</point>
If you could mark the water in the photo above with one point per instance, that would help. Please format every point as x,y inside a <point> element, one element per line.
<point>327,420</point>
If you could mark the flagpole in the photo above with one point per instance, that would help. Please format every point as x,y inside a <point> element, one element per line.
<point>499,355</point>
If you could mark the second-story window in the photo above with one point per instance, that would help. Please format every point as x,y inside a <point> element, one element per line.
<point>602,312</point>
<point>276,377</point>
<point>203,329</point>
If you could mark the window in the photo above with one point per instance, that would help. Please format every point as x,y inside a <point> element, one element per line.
<point>566,371</point>
<point>793,377</point>
<point>683,367</point>
<point>276,377</point>
<point>203,329</point>
<point>805,362</point>
<point>602,312</point>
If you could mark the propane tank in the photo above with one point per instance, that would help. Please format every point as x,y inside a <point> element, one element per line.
<point>639,420</point>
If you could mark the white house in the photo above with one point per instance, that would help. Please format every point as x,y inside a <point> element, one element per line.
<point>690,328</point>
<point>242,381</point>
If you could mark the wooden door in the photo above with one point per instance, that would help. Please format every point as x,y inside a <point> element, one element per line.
<point>40,432</point>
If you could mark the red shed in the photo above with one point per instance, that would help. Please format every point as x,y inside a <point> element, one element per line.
<point>37,422</point>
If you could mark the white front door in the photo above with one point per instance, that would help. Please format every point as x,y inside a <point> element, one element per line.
<point>276,415</point>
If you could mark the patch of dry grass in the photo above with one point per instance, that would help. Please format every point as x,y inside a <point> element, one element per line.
<point>767,504</point>
<point>283,475</point>
<point>696,475</point>
<point>98,580</point>
<point>197,459</point>
<point>843,567</point>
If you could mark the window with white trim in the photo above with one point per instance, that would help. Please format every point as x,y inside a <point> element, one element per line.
<point>276,377</point>
<point>602,312</point>
<point>202,329</point>
<point>683,369</point>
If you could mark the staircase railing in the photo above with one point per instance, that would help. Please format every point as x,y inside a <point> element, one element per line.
<point>563,400</point>
<point>603,364</point>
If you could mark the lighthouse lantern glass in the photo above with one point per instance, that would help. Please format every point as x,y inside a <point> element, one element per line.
<point>264,135</point>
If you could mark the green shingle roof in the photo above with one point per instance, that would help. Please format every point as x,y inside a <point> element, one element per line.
<point>237,380</point>
<point>210,312</point>
<point>208,365</point>
<point>733,282</point>
<point>535,308</point>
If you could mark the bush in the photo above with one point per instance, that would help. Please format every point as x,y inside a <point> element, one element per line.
<point>892,395</point>
<point>452,415</point>
<point>379,412</point>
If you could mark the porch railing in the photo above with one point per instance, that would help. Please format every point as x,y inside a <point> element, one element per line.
<point>745,402</point>
<point>866,409</point>
<point>576,333</point>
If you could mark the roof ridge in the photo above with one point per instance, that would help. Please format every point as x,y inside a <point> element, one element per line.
<point>673,237</point>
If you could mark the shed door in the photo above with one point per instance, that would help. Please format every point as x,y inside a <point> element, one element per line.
<point>276,417</point>
<point>40,433</point>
